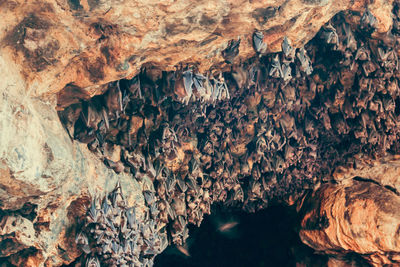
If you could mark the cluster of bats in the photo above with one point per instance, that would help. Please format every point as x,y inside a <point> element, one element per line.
<point>271,127</point>
<point>113,235</point>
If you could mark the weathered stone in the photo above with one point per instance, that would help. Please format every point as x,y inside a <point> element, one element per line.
<point>358,216</point>
<point>384,171</point>
<point>85,43</point>
<point>42,166</point>
<point>16,234</point>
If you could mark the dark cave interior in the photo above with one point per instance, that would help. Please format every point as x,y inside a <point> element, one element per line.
<point>268,237</point>
<point>265,238</point>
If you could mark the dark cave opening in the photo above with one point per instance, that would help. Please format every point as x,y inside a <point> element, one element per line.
<point>268,237</point>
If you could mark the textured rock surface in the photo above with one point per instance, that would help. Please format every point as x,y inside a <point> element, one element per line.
<point>42,169</point>
<point>93,42</point>
<point>358,214</point>
<point>385,171</point>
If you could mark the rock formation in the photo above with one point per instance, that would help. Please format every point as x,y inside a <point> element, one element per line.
<point>357,214</point>
<point>88,43</point>
<point>54,54</point>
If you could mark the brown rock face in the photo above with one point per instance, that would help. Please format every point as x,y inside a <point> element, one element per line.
<point>359,215</point>
<point>88,43</point>
<point>46,179</point>
<point>16,234</point>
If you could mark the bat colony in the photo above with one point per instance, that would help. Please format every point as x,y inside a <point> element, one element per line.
<point>270,128</point>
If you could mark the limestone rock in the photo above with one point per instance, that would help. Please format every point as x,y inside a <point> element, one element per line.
<point>88,43</point>
<point>384,171</point>
<point>359,216</point>
<point>46,180</point>
<point>16,233</point>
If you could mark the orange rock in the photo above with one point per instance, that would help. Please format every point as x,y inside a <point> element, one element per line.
<point>88,43</point>
<point>359,216</point>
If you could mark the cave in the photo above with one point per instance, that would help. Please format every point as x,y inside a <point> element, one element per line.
<point>243,138</point>
<point>236,238</point>
<point>260,133</point>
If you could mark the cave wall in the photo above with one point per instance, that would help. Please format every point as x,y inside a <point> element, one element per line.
<point>357,212</point>
<point>89,43</point>
<point>45,178</point>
